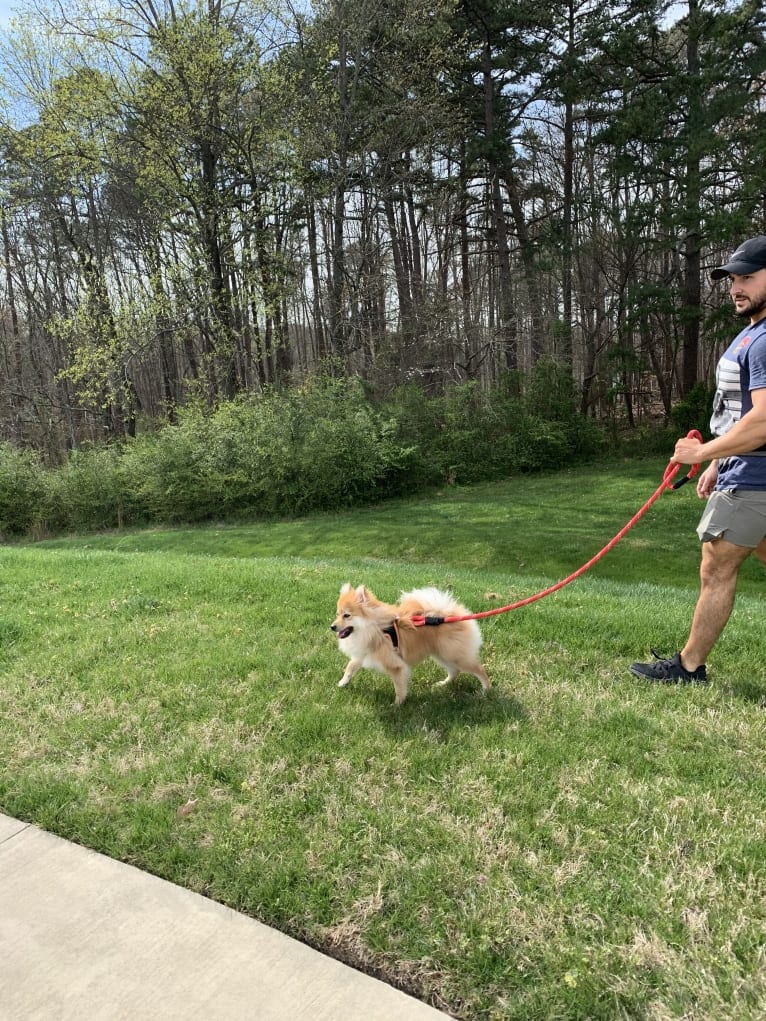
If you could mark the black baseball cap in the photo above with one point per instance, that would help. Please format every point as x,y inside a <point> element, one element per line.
<point>748,258</point>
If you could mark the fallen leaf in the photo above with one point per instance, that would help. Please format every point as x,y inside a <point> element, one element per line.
<point>186,809</point>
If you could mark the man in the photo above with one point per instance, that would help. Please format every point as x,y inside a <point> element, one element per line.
<point>733,524</point>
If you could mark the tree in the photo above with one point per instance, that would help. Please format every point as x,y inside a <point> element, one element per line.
<point>689,97</point>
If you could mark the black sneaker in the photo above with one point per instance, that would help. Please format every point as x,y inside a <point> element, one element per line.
<point>669,671</point>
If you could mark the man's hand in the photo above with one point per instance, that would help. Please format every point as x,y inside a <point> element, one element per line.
<point>707,480</point>
<point>687,451</point>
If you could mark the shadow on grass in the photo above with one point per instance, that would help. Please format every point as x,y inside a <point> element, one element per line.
<point>749,691</point>
<point>445,710</point>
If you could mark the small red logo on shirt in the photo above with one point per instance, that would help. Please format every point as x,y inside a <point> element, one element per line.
<point>743,343</point>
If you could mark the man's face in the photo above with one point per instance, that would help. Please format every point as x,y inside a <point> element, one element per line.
<point>749,295</point>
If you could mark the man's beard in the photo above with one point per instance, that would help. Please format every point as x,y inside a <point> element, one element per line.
<point>753,307</point>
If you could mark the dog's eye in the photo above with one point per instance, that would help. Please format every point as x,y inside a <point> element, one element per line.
<point>346,615</point>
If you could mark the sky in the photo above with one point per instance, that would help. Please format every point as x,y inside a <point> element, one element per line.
<point>6,11</point>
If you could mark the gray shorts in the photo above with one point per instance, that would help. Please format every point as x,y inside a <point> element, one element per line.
<point>736,515</point>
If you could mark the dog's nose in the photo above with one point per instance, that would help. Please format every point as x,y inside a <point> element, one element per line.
<point>333,627</point>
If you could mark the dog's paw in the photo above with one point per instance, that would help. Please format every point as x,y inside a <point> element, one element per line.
<point>343,682</point>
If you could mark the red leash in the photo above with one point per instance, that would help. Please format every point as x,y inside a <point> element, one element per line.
<point>667,483</point>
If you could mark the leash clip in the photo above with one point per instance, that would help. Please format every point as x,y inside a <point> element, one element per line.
<point>685,479</point>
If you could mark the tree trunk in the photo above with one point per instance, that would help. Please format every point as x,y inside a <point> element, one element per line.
<point>692,311</point>
<point>499,230</point>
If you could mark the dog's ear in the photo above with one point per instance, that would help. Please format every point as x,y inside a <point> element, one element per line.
<point>362,594</point>
<point>345,588</point>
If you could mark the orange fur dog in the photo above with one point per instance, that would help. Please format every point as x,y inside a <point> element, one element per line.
<point>381,636</point>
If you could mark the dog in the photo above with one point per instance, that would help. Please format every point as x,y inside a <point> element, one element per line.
<point>381,636</point>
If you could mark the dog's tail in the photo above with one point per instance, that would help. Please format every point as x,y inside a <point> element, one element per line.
<point>430,602</point>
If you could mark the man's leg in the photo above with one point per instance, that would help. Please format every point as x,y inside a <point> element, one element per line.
<point>721,561</point>
<point>760,551</point>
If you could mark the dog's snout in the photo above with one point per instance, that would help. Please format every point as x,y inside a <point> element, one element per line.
<point>333,627</point>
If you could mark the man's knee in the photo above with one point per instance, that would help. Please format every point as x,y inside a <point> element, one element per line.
<point>760,551</point>
<point>721,561</point>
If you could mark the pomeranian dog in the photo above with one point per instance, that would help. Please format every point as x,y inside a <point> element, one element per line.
<point>381,636</point>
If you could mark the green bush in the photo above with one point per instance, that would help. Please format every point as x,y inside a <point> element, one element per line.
<point>470,435</point>
<point>552,398</point>
<point>163,474</point>
<point>459,437</point>
<point>344,452</point>
<point>416,423</point>
<point>21,486</point>
<point>88,493</point>
<point>693,411</point>
<point>320,446</point>
<point>316,447</point>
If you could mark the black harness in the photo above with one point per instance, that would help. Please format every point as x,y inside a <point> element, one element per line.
<point>393,633</point>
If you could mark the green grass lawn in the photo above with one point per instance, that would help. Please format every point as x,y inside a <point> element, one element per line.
<point>577,844</point>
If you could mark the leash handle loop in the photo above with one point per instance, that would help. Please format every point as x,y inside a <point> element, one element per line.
<point>672,469</point>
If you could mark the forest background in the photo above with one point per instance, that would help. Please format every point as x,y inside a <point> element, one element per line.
<point>439,240</point>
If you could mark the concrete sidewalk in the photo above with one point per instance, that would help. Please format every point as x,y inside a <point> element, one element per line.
<point>85,937</point>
